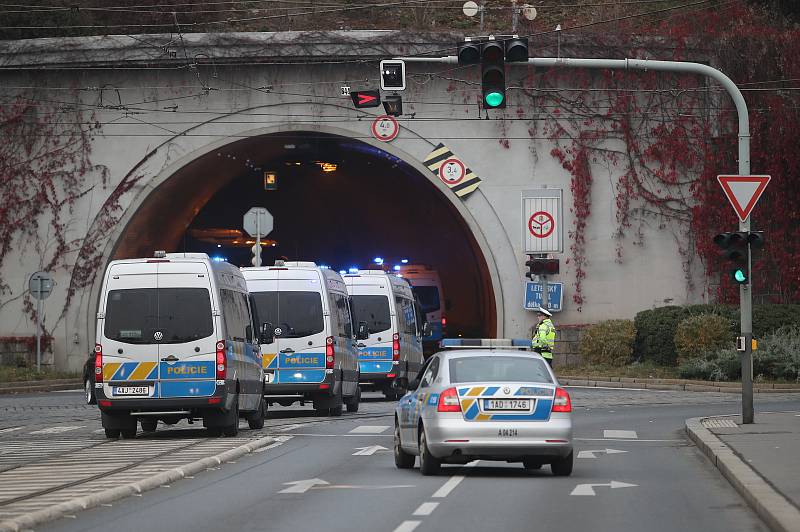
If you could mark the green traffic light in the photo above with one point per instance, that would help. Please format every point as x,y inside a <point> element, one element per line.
<point>739,276</point>
<point>493,99</point>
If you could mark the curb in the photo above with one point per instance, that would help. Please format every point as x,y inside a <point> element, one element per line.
<point>776,510</point>
<point>86,502</point>
<point>40,386</point>
<point>674,385</point>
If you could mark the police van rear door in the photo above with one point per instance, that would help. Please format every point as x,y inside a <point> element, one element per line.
<point>186,322</point>
<point>371,303</point>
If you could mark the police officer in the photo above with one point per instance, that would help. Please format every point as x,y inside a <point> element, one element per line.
<point>544,336</point>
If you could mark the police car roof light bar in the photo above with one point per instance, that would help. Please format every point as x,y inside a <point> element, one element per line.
<point>521,344</point>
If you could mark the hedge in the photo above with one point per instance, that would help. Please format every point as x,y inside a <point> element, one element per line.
<point>608,342</point>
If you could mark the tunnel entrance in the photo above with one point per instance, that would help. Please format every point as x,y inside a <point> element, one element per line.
<point>336,201</point>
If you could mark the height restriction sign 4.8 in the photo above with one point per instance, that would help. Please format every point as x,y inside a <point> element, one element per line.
<point>385,128</point>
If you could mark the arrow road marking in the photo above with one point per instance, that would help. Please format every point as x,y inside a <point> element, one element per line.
<point>587,490</point>
<point>352,487</point>
<point>302,486</point>
<point>591,454</point>
<point>10,429</point>
<point>369,451</point>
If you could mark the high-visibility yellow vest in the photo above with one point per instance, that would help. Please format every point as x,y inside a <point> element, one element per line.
<point>545,338</point>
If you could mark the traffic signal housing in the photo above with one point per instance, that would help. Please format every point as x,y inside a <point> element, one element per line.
<point>493,74</point>
<point>393,75</point>
<point>539,266</point>
<point>734,247</point>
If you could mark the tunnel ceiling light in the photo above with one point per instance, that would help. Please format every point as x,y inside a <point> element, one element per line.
<point>342,272</point>
<point>378,260</point>
<point>353,270</point>
<point>397,267</point>
<point>327,167</point>
<point>404,261</point>
<point>289,146</point>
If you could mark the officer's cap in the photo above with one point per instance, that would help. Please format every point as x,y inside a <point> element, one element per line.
<point>544,311</point>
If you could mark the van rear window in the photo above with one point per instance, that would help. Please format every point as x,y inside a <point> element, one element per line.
<point>298,314</point>
<point>428,298</point>
<point>372,309</point>
<point>182,315</point>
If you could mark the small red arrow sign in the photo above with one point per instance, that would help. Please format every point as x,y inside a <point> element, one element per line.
<point>366,98</point>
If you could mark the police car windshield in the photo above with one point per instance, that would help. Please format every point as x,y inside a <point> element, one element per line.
<point>297,314</point>
<point>182,315</point>
<point>498,368</point>
<point>372,309</point>
<point>428,298</point>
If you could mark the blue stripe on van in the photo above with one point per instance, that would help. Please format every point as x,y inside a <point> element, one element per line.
<point>375,366</point>
<point>302,360</point>
<point>203,369</point>
<point>299,376</point>
<point>187,388</point>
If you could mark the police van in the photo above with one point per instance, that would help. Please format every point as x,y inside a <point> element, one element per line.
<point>427,286</point>
<point>176,340</point>
<point>304,312</point>
<point>392,350</point>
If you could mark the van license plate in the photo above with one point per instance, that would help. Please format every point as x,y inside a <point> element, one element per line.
<point>132,390</point>
<point>507,404</point>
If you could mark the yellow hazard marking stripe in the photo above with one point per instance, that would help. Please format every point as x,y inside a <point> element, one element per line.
<point>109,369</point>
<point>482,417</point>
<point>466,404</point>
<point>267,360</point>
<point>142,371</point>
<point>476,391</point>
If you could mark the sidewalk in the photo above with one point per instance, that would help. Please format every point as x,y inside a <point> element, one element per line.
<point>761,460</point>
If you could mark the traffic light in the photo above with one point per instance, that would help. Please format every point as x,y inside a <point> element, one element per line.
<point>393,75</point>
<point>493,74</point>
<point>734,246</point>
<point>538,266</point>
<point>393,105</point>
<point>517,49</point>
<point>469,52</point>
<point>256,251</point>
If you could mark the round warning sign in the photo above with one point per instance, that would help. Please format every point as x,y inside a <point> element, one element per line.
<point>452,171</point>
<point>385,128</point>
<point>541,224</point>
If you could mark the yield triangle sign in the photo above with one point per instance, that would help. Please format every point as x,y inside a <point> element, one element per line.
<point>743,191</point>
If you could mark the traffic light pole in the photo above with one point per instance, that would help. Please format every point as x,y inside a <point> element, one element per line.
<point>745,295</point>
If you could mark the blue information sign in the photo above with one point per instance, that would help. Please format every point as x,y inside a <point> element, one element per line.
<point>533,296</point>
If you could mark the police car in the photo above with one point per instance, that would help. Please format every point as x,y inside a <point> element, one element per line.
<point>485,400</point>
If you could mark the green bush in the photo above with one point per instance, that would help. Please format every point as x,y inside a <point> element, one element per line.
<point>608,342</point>
<point>722,365</point>
<point>656,328</point>
<point>655,335</point>
<point>778,355</point>
<point>697,335</point>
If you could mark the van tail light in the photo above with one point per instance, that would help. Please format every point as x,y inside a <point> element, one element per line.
<point>330,353</point>
<point>98,363</point>
<point>222,361</point>
<point>562,402</point>
<point>395,346</point>
<point>444,321</point>
<point>448,401</point>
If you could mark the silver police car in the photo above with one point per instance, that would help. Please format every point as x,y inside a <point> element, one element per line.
<point>487,400</point>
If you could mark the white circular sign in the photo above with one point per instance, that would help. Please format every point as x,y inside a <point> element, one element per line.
<point>385,128</point>
<point>470,8</point>
<point>452,171</point>
<point>41,285</point>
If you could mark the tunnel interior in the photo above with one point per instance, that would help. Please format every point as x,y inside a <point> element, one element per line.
<point>335,201</point>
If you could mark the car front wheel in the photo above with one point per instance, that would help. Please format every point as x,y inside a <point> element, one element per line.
<point>402,459</point>
<point>428,464</point>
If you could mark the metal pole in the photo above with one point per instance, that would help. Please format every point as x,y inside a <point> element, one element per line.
<point>39,325</point>
<point>258,241</point>
<point>745,294</point>
<point>545,294</point>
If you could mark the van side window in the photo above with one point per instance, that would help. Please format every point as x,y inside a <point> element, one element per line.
<point>344,316</point>
<point>407,320</point>
<point>235,314</point>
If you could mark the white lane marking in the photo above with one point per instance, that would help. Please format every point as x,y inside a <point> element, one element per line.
<point>10,429</point>
<point>343,435</point>
<point>407,526</point>
<point>627,440</point>
<point>587,490</point>
<point>281,441</point>
<point>302,486</point>
<point>628,434</point>
<point>369,429</point>
<point>76,390</point>
<point>451,483</point>
<point>352,487</point>
<point>369,451</point>
<point>99,431</point>
<point>426,508</point>
<point>287,428</point>
<point>57,430</point>
<point>591,454</point>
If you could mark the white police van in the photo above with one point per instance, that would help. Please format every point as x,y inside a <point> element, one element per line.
<point>176,340</point>
<point>393,349</point>
<point>304,312</point>
<point>427,286</point>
